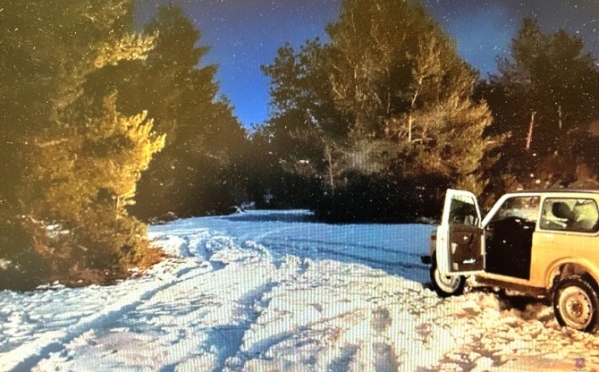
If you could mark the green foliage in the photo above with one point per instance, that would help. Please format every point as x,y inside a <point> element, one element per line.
<point>544,98</point>
<point>198,171</point>
<point>388,99</point>
<point>98,162</point>
<point>371,63</point>
<point>22,266</point>
<point>73,160</point>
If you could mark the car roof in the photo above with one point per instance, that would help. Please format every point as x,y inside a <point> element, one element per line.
<point>555,191</point>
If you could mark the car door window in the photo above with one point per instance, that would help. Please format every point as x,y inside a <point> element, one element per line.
<point>570,214</point>
<point>463,211</point>
<point>523,207</point>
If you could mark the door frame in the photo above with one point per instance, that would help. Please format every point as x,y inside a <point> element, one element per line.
<point>452,233</point>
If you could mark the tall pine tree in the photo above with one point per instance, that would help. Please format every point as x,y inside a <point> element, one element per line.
<point>73,161</point>
<point>545,97</point>
<point>401,100</point>
<point>197,171</point>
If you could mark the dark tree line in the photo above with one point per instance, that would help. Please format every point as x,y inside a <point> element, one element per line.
<point>377,122</point>
<point>545,98</point>
<point>381,119</point>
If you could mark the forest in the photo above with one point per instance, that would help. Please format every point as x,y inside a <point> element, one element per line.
<point>106,128</point>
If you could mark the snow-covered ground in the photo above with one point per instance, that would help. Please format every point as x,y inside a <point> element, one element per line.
<point>274,291</point>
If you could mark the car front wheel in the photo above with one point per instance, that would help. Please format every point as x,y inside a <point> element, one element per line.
<point>446,285</point>
<point>576,305</point>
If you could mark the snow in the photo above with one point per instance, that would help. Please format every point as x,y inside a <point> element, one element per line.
<point>276,291</point>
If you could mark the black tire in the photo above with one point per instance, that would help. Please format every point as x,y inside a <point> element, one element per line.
<point>446,286</point>
<point>576,305</point>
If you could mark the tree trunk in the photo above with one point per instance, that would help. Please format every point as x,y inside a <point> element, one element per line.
<point>532,123</point>
<point>329,156</point>
<point>410,122</point>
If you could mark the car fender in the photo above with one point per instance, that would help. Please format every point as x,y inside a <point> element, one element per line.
<point>577,266</point>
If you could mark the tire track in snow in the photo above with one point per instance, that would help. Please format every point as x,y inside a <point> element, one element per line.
<point>366,247</point>
<point>257,238</point>
<point>406,267</point>
<point>407,264</point>
<point>223,251</point>
<point>28,355</point>
<point>253,240</point>
<point>228,339</point>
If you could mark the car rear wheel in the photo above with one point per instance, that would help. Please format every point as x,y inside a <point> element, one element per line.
<point>446,285</point>
<point>576,304</point>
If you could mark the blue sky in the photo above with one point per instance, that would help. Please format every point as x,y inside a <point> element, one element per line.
<point>245,34</point>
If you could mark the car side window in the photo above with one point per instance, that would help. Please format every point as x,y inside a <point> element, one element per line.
<point>463,211</point>
<point>524,207</point>
<point>570,214</point>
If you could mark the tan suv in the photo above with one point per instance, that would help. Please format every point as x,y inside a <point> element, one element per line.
<point>539,242</point>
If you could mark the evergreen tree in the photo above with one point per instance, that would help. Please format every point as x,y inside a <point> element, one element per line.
<point>84,182</point>
<point>197,172</point>
<point>400,98</point>
<point>307,132</point>
<point>400,77</point>
<point>545,97</point>
<point>73,160</point>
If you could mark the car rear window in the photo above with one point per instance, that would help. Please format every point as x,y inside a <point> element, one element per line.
<point>570,214</point>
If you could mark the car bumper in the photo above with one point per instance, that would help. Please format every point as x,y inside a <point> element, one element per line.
<point>426,259</point>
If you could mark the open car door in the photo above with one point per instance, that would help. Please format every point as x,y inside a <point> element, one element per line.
<point>460,239</point>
